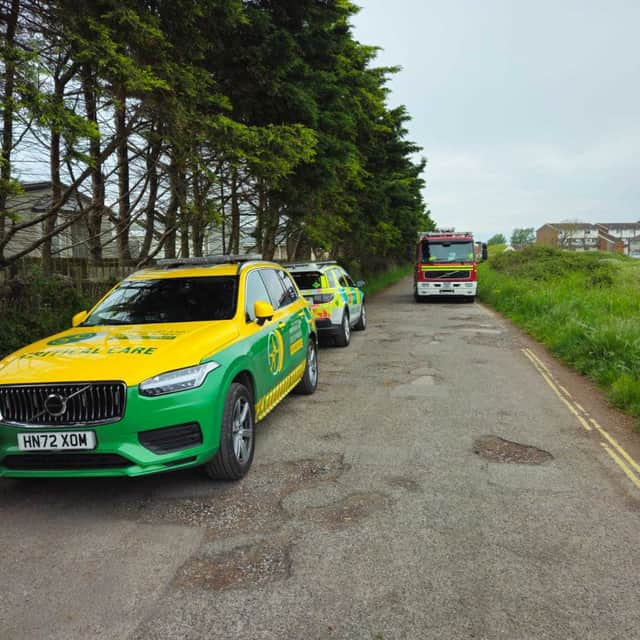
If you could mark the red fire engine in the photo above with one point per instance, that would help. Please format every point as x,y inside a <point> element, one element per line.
<point>447,264</point>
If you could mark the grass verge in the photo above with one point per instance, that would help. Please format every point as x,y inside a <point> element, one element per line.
<point>585,307</point>
<point>380,281</point>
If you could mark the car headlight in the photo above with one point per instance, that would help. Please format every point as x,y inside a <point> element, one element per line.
<point>178,380</point>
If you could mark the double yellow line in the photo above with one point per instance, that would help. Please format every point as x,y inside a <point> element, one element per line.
<point>628,465</point>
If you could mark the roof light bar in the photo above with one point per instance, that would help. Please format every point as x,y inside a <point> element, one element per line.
<point>311,264</point>
<point>168,263</point>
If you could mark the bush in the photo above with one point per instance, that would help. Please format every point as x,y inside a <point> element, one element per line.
<point>34,305</point>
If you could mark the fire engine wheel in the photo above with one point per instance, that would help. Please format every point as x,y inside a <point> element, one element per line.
<point>470,299</point>
<point>343,336</point>
<point>417,297</point>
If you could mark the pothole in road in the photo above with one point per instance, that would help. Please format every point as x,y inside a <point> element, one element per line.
<point>496,449</point>
<point>350,510</point>
<point>400,482</point>
<point>332,436</point>
<point>253,505</point>
<point>484,339</point>
<point>255,564</point>
<point>415,388</point>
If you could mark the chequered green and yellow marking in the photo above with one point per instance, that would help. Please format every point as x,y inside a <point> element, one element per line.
<point>271,399</point>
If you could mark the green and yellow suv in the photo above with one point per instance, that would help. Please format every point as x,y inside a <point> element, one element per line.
<point>171,369</point>
<point>337,302</point>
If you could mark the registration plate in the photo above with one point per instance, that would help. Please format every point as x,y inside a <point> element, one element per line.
<point>57,441</point>
<point>448,291</point>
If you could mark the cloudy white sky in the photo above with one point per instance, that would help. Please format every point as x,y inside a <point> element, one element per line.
<point>528,112</point>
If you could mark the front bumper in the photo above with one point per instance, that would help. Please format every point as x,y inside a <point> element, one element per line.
<point>120,449</point>
<point>446,288</point>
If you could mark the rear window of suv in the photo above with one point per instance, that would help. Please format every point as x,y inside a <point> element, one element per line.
<point>308,280</point>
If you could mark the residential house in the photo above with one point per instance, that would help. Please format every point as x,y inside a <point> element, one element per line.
<point>584,236</point>
<point>634,247</point>
<point>624,231</point>
<point>34,201</point>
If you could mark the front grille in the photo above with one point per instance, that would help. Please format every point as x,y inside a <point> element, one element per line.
<point>171,438</point>
<point>64,461</point>
<point>62,404</point>
<point>446,275</point>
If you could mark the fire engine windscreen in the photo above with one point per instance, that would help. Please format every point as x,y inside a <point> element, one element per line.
<point>447,252</point>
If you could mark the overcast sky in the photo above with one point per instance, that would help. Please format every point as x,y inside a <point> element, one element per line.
<point>528,112</point>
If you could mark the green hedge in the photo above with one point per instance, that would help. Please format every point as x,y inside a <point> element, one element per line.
<point>33,306</point>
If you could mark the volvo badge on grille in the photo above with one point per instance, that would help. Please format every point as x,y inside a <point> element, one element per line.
<point>55,404</point>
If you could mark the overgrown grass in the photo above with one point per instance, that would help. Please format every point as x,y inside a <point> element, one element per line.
<point>379,281</point>
<point>585,307</point>
<point>494,249</point>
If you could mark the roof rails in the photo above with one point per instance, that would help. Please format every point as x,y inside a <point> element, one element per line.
<point>203,261</point>
<point>309,263</point>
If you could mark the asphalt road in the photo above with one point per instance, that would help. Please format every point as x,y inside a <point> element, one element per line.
<point>447,480</point>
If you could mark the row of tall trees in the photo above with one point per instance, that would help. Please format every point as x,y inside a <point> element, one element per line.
<point>173,116</point>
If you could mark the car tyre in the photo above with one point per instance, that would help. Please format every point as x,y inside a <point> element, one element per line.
<point>237,436</point>
<point>309,381</point>
<point>344,336</point>
<point>361,325</point>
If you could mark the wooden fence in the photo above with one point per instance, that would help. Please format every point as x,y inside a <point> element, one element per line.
<point>77,269</point>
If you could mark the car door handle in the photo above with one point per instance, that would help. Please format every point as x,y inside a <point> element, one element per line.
<point>302,315</point>
<point>282,325</point>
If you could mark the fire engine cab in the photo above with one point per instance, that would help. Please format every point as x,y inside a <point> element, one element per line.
<point>446,264</point>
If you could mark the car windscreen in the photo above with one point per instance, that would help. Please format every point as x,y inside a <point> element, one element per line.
<point>447,252</point>
<point>168,300</point>
<point>308,280</point>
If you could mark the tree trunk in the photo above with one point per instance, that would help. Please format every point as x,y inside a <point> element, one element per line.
<point>96,211</point>
<point>222,210</point>
<point>293,242</point>
<point>198,238</point>
<point>260,217</point>
<point>7,113</point>
<point>171,216</point>
<point>184,216</point>
<point>124,196</point>
<point>184,236</point>
<point>234,241</point>
<point>270,223</point>
<point>153,156</point>
<point>199,218</point>
<point>56,183</point>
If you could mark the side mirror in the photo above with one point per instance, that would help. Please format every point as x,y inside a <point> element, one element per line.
<point>79,318</point>
<point>485,252</point>
<point>360,284</point>
<point>263,311</point>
